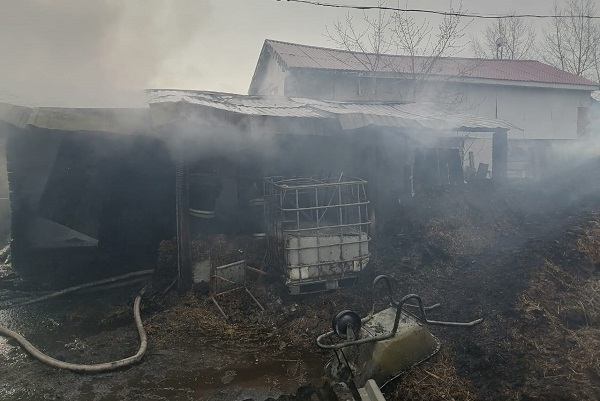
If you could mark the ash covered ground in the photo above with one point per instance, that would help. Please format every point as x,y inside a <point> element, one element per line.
<point>524,256</point>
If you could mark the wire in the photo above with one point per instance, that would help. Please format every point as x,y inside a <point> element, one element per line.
<point>444,13</point>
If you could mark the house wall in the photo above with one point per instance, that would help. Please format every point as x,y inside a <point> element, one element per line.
<point>274,80</point>
<point>542,113</point>
<point>539,158</point>
<point>344,87</point>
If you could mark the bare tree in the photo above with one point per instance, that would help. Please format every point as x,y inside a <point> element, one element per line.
<point>572,39</point>
<point>425,46</point>
<point>420,40</point>
<point>398,33</point>
<point>597,66</point>
<point>510,38</point>
<point>367,44</point>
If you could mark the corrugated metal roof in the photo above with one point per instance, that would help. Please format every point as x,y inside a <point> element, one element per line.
<point>119,121</point>
<point>242,104</point>
<point>406,115</point>
<point>350,114</point>
<point>294,55</point>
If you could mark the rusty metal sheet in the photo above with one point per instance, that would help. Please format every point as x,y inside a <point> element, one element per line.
<point>272,106</point>
<point>350,115</point>
<point>406,115</point>
<point>115,120</point>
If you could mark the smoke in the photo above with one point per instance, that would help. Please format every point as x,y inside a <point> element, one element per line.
<point>583,149</point>
<point>91,52</point>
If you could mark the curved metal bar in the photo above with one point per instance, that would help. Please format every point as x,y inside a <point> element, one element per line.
<point>423,317</point>
<point>391,294</point>
<point>388,284</point>
<point>398,305</point>
<point>430,307</point>
<point>338,346</point>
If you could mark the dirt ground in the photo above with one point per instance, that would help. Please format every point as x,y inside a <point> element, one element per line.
<point>525,257</point>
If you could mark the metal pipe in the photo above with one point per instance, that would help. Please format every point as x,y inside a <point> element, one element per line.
<point>323,207</point>
<point>325,227</point>
<point>325,184</point>
<point>224,279</point>
<point>361,258</point>
<point>324,246</point>
<point>388,284</point>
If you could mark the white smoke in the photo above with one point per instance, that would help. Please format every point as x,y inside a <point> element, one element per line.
<point>91,52</point>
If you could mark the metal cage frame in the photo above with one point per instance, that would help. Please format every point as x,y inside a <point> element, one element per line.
<point>331,212</point>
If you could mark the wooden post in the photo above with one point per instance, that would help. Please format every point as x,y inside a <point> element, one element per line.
<point>455,167</point>
<point>16,146</point>
<point>184,245</point>
<point>500,155</point>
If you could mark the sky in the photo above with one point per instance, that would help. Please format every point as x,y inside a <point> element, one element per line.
<point>100,53</point>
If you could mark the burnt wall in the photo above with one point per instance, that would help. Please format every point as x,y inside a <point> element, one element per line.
<point>29,158</point>
<point>138,198</point>
<point>384,158</point>
<point>74,192</point>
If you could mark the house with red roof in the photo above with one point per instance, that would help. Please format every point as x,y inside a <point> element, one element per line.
<point>545,102</point>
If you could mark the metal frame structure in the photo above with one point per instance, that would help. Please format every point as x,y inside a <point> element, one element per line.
<point>229,278</point>
<point>317,229</point>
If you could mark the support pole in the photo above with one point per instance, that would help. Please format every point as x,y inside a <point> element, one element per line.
<point>500,155</point>
<point>184,246</point>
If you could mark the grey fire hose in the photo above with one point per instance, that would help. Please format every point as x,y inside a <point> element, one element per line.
<point>95,368</point>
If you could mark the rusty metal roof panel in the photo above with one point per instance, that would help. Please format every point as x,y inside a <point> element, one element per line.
<point>406,115</point>
<point>350,114</point>
<point>272,106</point>
<point>115,120</point>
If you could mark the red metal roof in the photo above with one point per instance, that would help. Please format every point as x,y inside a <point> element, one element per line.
<point>293,55</point>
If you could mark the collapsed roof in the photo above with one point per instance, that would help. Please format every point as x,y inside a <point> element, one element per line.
<point>202,107</point>
<point>350,115</point>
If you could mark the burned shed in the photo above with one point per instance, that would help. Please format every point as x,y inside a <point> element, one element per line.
<point>194,163</point>
<point>376,141</point>
<point>83,180</point>
<point>227,144</point>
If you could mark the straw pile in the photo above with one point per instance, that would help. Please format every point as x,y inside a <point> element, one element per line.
<point>434,380</point>
<point>561,334</point>
<point>589,241</point>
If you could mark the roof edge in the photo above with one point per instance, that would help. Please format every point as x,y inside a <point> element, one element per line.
<point>261,65</point>
<point>400,55</point>
<point>465,79</point>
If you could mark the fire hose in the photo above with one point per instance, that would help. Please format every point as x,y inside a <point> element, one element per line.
<point>84,368</point>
